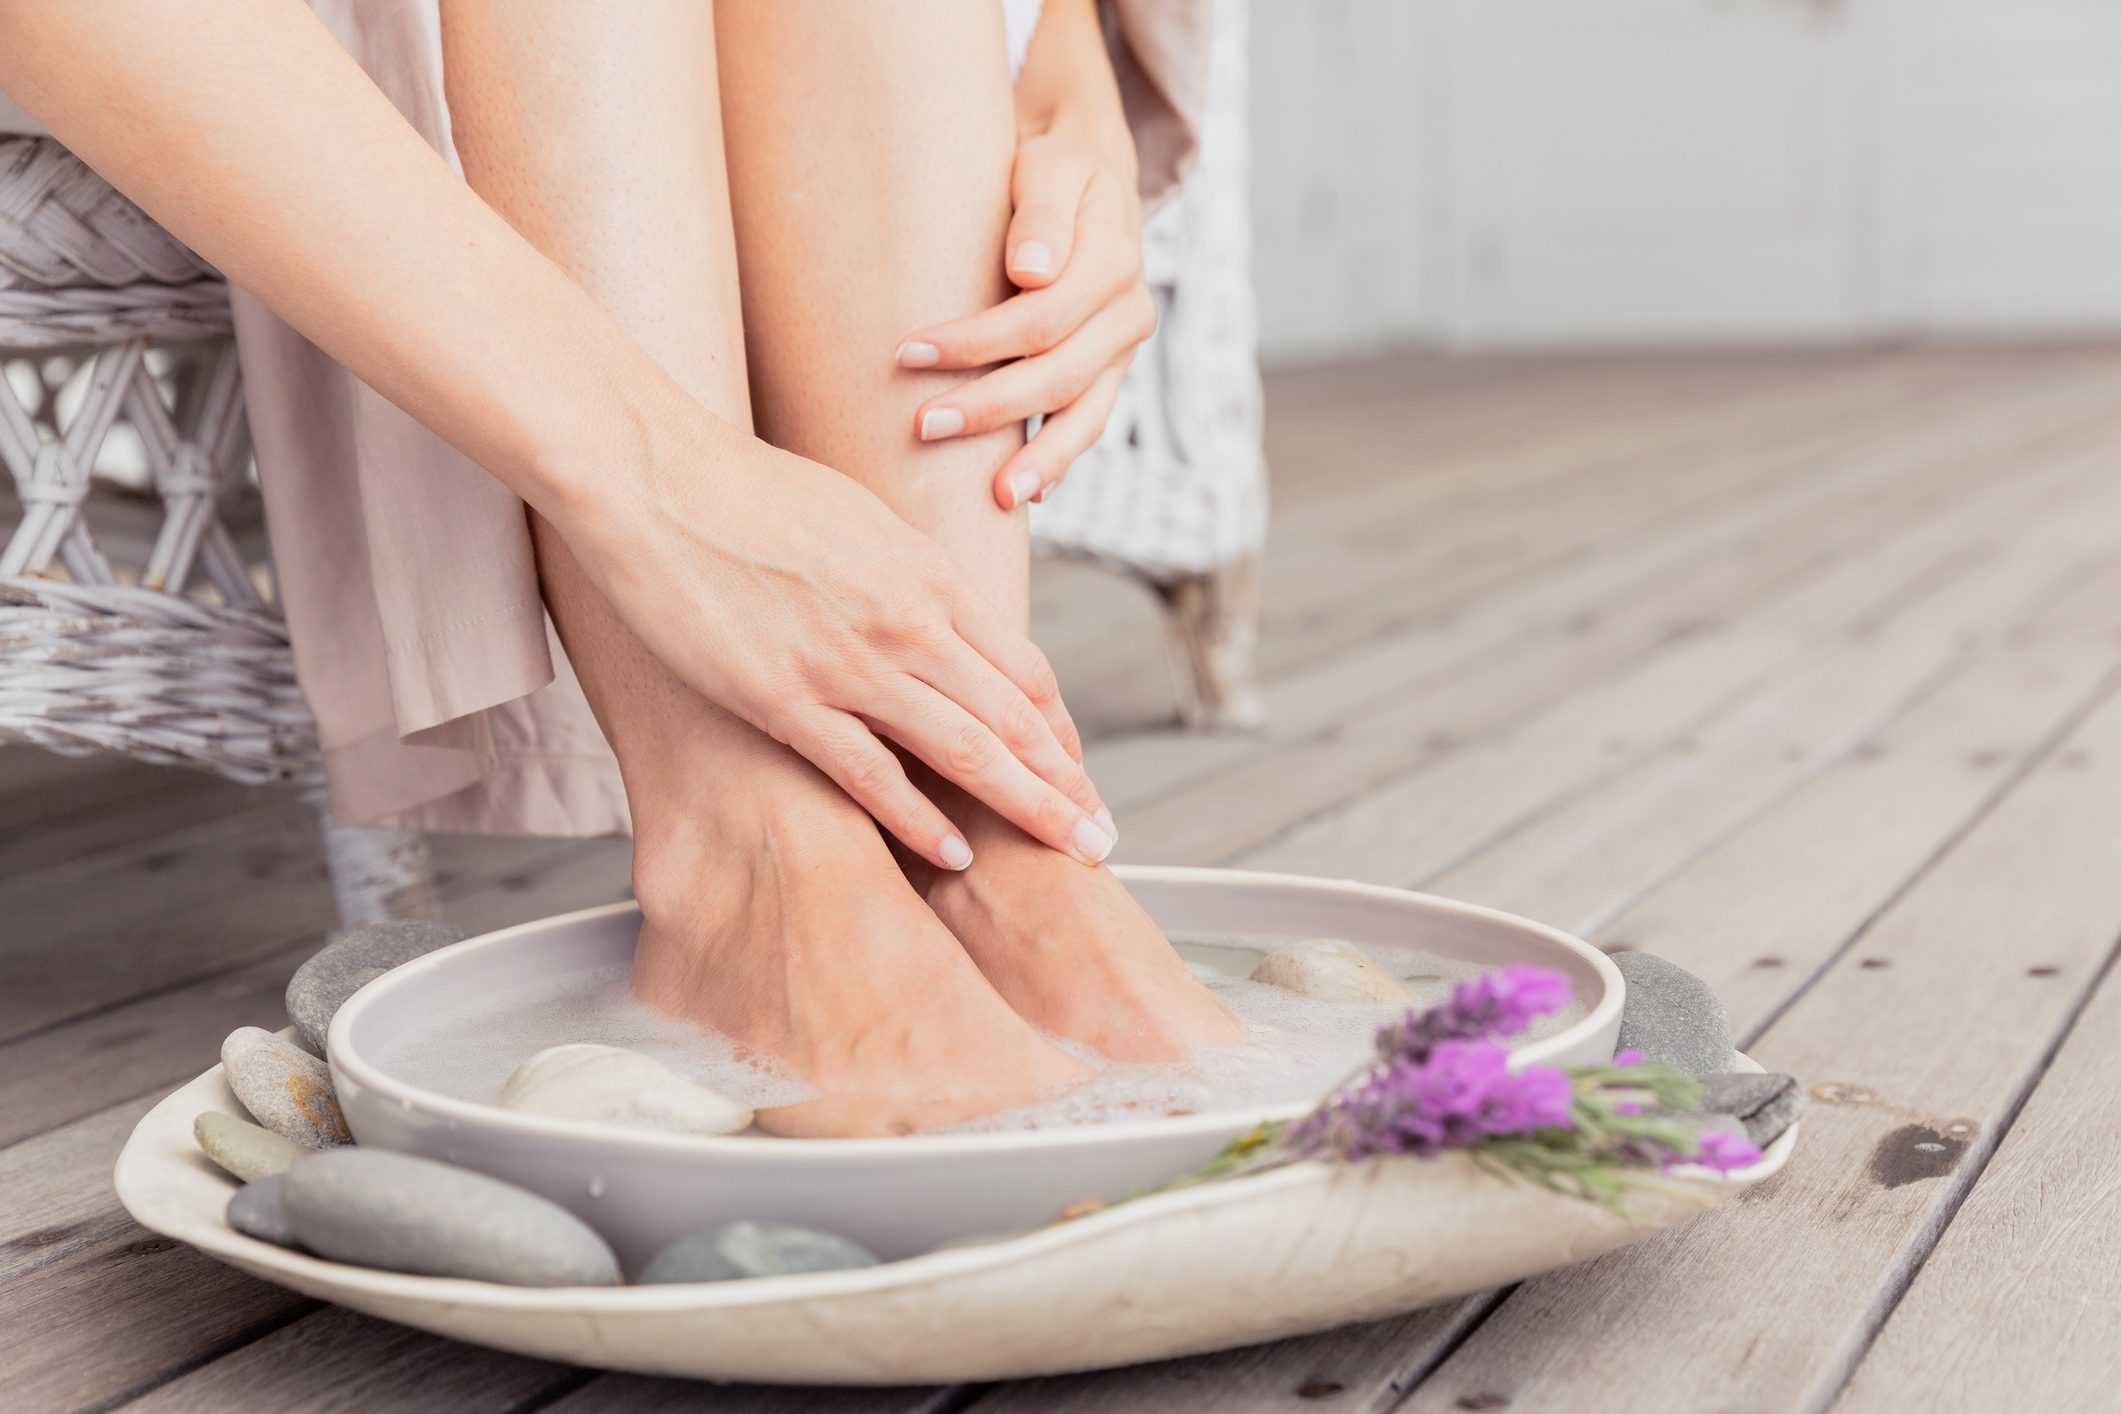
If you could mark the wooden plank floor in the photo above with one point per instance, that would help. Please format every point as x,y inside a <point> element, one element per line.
<point>1800,668</point>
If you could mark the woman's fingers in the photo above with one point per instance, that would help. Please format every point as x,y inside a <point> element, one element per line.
<point>845,749</point>
<point>979,688</point>
<point>1045,383</point>
<point>1038,466</point>
<point>1046,189</point>
<point>963,750</point>
<point>1018,660</point>
<point>1102,271</point>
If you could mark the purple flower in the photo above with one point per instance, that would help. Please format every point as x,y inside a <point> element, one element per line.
<point>1457,1094</point>
<point>1628,1060</point>
<point>1499,1003</point>
<point>1723,1151</point>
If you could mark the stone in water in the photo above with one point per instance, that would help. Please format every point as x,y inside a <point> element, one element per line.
<point>246,1150</point>
<point>1330,970</point>
<point>259,1210</point>
<point>407,1214</point>
<point>608,1085</point>
<point>284,1087</point>
<point>1671,1015</point>
<point>747,1249</point>
<point>321,985</point>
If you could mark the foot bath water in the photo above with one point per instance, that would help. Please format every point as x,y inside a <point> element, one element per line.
<point>1297,1045</point>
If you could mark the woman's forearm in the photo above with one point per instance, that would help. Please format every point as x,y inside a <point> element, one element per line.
<point>243,127</point>
<point>1067,85</point>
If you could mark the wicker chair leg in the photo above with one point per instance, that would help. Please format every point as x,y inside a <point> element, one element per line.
<point>1214,624</point>
<point>379,875</point>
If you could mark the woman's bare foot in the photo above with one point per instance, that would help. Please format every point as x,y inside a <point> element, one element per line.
<point>1066,945</point>
<point>775,914</point>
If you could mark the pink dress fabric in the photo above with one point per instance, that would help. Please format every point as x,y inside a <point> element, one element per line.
<point>443,699</point>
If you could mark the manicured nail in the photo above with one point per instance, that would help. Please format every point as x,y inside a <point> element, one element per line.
<point>1023,485</point>
<point>1092,843</point>
<point>1104,817</point>
<point>956,853</point>
<point>941,422</point>
<point>915,354</point>
<point>1032,258</point>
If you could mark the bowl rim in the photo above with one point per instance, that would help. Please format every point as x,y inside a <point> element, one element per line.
<point>350,1068</point>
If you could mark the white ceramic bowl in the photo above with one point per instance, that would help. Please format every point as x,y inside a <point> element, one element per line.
<point>898,1196</point>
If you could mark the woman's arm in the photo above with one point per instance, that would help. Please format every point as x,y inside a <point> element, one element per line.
<point>1067,89</point>
<point>244,128</point>
<point>771,585</point>
<point>1074,249</point>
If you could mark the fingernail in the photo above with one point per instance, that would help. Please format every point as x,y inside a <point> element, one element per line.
<point>941,422</point>
<point>1091,842</point>
<point>956,853</point>
<point>1032,258</point>
<point>1104,817</point>
<point>915,354</point>
<point>1023,485</point>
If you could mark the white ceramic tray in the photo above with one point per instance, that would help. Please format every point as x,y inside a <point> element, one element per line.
<point>1303,1249</point>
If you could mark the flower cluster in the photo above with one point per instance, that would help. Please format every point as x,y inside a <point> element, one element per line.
<point>1442,1081</point>
<point>1454,1095</point>
<point>1500,1003</point>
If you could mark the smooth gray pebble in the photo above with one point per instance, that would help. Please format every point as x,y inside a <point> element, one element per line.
<point>408,1214</point>
<point>321,985</point>
<point>748,1249</point>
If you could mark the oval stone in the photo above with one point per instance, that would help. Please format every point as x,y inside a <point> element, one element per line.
<point>321,985</point>
<point>748,1249</point>
<point>608,1085</point>
<point>1331,970</point>
<point>260,1210</point>
<point>408,1214</point>
<point>284,1087</point>
<point>1671,1015</point>
<point>246,1150</point>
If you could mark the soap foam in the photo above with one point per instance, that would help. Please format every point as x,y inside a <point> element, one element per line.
<point>1296,1048</point>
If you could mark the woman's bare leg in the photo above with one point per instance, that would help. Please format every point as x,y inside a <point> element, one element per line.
<point>869,156</point>
<point>773,910</point>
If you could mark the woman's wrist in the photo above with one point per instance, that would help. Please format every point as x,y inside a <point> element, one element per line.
<point>1067,89</point>
<point>596,448</point>
<point>1086,124</point>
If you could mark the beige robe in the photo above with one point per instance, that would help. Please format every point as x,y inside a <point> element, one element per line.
<point>443,699</point>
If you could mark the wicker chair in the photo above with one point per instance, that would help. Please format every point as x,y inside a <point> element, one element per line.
<point>146,664</point>
<point>186,662</point>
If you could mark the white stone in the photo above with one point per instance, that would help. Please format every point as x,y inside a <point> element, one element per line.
<point>1330,970</point>
<point>607,1085</point>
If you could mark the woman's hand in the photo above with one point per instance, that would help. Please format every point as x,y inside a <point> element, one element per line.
<point>793,597</point>
<point>1074,250</point>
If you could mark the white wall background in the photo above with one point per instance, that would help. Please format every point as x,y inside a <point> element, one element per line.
<point>1556,172</point>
